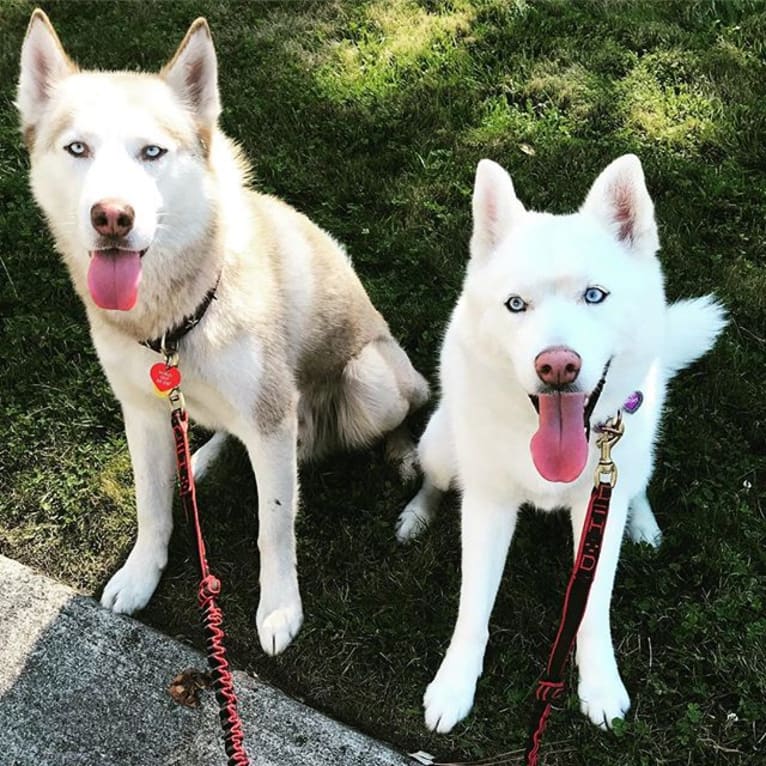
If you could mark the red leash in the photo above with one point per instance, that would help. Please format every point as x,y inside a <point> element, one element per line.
<point>167,379</point>
<point>551,685</point>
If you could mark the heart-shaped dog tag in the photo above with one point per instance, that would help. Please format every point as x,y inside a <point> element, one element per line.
<point>165,378</point>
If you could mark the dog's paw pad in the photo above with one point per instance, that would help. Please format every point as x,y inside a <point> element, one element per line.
<point>279,627</point>
<point>605,702</point>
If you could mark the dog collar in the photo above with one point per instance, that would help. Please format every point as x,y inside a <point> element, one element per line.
<point>594,397</point>
<point>170,338</point>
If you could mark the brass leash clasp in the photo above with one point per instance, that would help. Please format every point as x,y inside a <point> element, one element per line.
<point>170,351</point>
<point>176,399</point>
<point>610,433</point>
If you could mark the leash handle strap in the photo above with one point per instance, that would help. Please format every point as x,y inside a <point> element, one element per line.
<point>209,589</point>
<point>551,686</point>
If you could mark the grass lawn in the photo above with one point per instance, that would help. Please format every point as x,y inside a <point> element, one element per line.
<point>370,116</point>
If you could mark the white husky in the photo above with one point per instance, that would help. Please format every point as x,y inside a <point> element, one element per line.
<point>148,206</point>
<point>554,309</point>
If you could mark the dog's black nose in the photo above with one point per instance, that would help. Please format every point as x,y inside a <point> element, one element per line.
<point>112,218</point>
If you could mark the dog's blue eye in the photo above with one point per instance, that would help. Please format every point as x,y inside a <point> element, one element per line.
<point>516,304</point>
<point>152,152</point>
<point>77,149</point>
<point>595,295</point>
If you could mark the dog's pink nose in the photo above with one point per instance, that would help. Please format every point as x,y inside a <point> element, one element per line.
<point>112,218</point>
<point>558,366</point>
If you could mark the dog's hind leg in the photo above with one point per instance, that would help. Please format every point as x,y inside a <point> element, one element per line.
<point>419,512</point>
<point>642,526</point>
<point>437,460</point>
<point>379,388</point>
<point>402,452</point>
<point>207,454</point>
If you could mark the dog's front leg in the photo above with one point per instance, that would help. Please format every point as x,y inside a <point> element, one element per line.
<point>152,454</point>
<point>602,693</point>
<point>273,455</point>
<point>486,530</point>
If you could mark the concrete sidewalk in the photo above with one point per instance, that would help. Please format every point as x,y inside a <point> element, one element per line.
<point>80,685</point>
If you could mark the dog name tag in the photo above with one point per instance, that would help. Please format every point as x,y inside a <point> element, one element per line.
<point>165,378</point>
<point>633,402</point>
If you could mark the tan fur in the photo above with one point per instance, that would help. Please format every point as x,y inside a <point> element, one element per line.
<point>58,125</point>
<point>29,134</point>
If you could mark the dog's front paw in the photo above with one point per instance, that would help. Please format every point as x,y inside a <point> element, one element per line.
<point>132,586</point>
<point>449,697</point>
<point>277,627</point>
<point>603,700</point>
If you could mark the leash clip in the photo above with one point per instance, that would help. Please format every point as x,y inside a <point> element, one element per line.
<point>169,350</point>
<point>610,433</point>
<point>176,399</point>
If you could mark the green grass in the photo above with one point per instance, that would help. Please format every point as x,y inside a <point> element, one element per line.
<point>370,116</point>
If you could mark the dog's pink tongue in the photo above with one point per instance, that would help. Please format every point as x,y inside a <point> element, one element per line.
<point>113,278</point>
<point>559,448</point>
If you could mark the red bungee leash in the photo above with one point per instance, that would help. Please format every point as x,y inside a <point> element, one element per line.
<point>551,685</point>
<point>167,379</point>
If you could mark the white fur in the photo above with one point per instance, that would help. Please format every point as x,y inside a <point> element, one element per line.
<point>478,438</point>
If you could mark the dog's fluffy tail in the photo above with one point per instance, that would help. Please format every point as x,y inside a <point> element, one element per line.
<point>692,327</point>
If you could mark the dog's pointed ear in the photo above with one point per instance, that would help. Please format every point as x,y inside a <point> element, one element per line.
<point>619,200</point>
<point>193,73</point>
<point>44,63</point>
<point>495,208</point>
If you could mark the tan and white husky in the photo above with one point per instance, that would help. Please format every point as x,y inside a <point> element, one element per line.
<point>148,204</point>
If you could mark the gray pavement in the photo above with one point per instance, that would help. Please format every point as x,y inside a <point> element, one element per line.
<point>80,685</point>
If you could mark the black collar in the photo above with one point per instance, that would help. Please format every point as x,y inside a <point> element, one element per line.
<point>169,340</point>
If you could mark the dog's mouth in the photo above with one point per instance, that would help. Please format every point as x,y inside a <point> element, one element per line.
<point>559,447</point>
<point>114,275</point>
